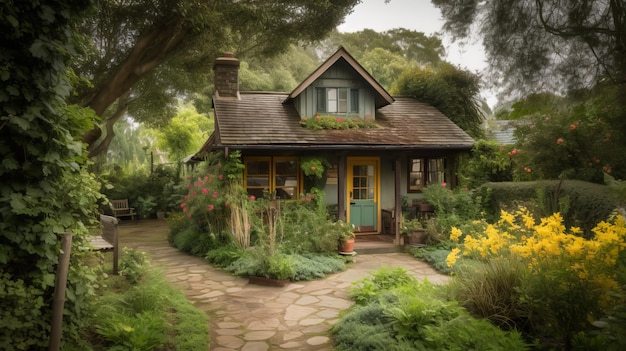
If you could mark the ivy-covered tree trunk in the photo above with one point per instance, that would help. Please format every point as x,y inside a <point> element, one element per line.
<point>44,190</point>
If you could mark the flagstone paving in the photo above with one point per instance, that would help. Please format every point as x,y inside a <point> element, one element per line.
<point>250,317</point>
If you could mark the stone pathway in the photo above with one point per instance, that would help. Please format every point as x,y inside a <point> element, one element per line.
<point>251,317</point>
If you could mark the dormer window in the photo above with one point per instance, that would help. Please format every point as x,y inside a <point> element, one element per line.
<point>337,100</point>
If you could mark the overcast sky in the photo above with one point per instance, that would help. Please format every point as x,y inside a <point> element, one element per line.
<point>418,15</point>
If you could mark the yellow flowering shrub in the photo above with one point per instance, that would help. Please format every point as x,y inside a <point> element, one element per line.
<point>569,279</point>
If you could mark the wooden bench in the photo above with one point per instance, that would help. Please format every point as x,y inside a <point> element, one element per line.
<point>121,209</point>
<point>108,240</point>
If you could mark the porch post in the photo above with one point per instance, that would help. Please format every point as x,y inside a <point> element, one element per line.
<point>398,198</point>
<point>341,188</point>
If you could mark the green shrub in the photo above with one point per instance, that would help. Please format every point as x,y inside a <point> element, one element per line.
<point>224,255</point>
<point>311,266</point>
<point>395,312</point>
<point>283,266</point>
<point>453,208</point>
<point>132,264</point>
<point>368,289</point>
<point>589,203</point>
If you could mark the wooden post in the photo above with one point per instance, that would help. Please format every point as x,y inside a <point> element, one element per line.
<point>341,188</point>
<point>398,198</point>
<point>59,293</point>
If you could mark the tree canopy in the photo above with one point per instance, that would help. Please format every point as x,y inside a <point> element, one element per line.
<point>535,45</point>
<point>144,53</point>
<point>450,89</point>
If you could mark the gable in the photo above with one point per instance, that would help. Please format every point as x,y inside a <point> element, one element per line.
<point>340,71</point>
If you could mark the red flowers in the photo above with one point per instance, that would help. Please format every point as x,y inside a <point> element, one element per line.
<point>252,197</point>
<point>444,184</point>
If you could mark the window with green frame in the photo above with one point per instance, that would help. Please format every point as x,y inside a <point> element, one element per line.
<point>279,176</point>
<point>337,100</point>
<point>424,171</point>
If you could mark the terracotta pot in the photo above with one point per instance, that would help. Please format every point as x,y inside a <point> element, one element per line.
<point>347,245</point>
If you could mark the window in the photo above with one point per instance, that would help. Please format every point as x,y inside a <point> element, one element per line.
<point>337,100</point>
<point>276,175</point>
<point>424,171</point>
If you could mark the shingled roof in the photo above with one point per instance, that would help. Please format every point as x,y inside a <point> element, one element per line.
<point>263,121</point>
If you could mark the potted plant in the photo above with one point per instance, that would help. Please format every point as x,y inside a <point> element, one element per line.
<point>345,233</point>
<point>413,231</point>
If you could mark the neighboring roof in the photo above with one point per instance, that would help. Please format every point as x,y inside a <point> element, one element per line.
<point>382,96</point>
<point>503,131</point>
<point>263,121</point>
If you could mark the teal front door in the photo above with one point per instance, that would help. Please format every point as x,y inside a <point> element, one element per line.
<point>363,193</point>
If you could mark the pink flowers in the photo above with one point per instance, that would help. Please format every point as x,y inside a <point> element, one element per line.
<point>444,184</point>
<point>252,197</point>
<point>559,141</point>
<point>215,194</point>
<point>513,152</point>
<point>210,207</point>
<point>220,177</point>
<point>527,169</point>
<point>572,127</point>
<point>205,191</point>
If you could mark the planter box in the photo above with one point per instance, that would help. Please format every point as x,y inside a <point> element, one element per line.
<point>417,237</point>
<point>268,281</point>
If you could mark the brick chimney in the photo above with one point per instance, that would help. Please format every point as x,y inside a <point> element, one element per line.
<point>226,69</point>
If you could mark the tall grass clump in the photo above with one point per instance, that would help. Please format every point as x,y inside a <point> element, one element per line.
<point>141,310</point>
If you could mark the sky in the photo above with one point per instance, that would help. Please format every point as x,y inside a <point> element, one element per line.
<point>421,16</point>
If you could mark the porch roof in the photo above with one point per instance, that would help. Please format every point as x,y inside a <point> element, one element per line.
<point>263,121</point>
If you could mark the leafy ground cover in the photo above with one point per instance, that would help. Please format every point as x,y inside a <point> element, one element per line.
<point>394,311</point>
<point>140,310</point>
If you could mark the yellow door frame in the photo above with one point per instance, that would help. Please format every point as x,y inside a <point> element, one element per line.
<point>369,160</point>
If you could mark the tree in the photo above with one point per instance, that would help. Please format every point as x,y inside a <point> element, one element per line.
<point>451,90</point>
<point>539,45</point>
<point>384,66</point>
<point>44,187</point>
<point>185,133</point>
<point>144,53</point>
<point>414,46</point>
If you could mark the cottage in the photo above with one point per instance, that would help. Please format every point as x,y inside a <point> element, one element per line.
<point>371,169</point>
